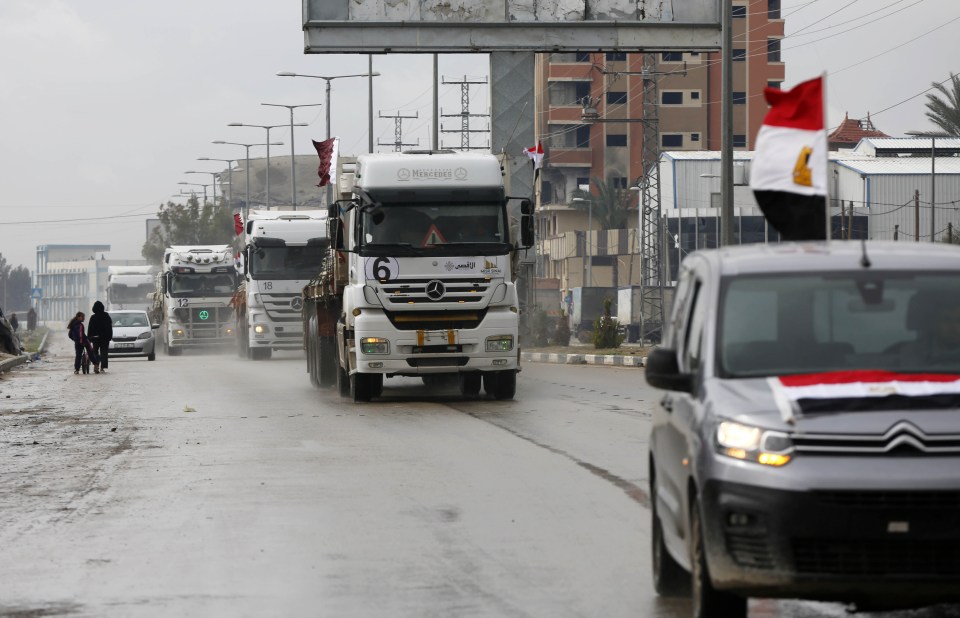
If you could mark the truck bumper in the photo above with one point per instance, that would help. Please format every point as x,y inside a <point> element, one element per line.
<point>420,352</point>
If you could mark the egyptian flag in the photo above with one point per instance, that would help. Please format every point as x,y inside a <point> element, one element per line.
<point>789,170</point>
<point>536,155</point>
<point>860,390</point>
<point>327,151</point>
<point>237,223</point>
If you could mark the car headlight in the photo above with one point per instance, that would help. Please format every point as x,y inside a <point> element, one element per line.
<point>770,448</point>
<point>374,345</point>
<point>144,335</point>
<point>499,343</point>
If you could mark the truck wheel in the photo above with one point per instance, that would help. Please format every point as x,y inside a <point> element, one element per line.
<point>260,353</point>
<point>376,384</point>
<point>343,381</point>
<point>327,361</point>
<point>707,601</point>
<point>470,383</point>
<point>243,344</point>
<point>312,368</point>
<point>360,387</point>
<point>500,384</point>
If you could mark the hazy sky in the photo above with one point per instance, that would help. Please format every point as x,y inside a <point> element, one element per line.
<point>106,103</point>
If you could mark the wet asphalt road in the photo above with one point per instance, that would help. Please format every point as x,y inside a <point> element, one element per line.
<point>208,485</point>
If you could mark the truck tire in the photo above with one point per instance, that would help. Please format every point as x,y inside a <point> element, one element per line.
<point>360,387</point>
<point>343,382</point>
<point>470,383</point>
<point>326,361</point>
<point>243,341</point>
<point>500,384</point>
<point>312,368</point>
<point>260,354</point>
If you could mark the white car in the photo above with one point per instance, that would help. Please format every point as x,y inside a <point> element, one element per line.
<point>133,334</point>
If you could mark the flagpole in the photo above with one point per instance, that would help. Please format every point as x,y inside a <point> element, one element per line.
<point>826,186</point>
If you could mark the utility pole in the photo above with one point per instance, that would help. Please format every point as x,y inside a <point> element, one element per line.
<point>465,114</point>
<point>916,213</point>
<point>398,143</point>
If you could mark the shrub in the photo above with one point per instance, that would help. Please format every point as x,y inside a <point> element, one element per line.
<point>606,329</point>
<point>561,335</point>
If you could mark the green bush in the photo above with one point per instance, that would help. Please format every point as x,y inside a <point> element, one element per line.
<point>606,329</point>
<point>539,328</point>
<point>561,335</point>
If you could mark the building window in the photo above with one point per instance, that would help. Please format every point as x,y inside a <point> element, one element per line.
<point>620,182</point>
<point>773,50</point>
<point>582,57</point>
<point>739,55</point>
<point>739,98</point>
<point>671,97</point>
<point>616,56</point>
<point>671,140</point>
<point>583,181</point>
<point>777,85</point>
<point>616,140</point>
<point>740,141</point>
<point>738,11</point>
<point>671,57</point>
<point>582,90</point>
<point>773,9</point>
<point>694,137</point>
<point>695,95</point>
<point>583,136</point>
<point>616,98</point>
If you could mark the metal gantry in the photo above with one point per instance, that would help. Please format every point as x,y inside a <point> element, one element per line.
<point>465,114</point>
<point>398,142</point>
<point>651,280</point>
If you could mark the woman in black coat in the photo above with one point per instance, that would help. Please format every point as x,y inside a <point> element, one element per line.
<point>100,331</point>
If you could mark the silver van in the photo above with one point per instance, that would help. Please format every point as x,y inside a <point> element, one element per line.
<point>808,442</point>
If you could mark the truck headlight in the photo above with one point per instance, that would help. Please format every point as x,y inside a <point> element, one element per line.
<point>178,332</point>
<point>375,345</point>
<point>770,448</point>
<point>499,343</point>
<point>260,329</point>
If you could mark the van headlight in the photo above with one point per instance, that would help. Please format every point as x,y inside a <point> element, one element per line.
<point>747,443</point>
<point>499,343</point>
<point>374,345</point>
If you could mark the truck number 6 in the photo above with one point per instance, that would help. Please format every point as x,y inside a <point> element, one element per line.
<point>382,269</point>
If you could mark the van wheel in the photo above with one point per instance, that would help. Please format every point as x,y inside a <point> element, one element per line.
<point>708,602</point>
<point>669,578</point>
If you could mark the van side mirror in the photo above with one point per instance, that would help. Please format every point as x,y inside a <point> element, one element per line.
<point>663,371</point>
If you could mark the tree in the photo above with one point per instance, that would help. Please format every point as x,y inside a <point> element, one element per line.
<point>611,206</point>
<point>14,287</point>
<point>189,224</point>
<point>945,112</point>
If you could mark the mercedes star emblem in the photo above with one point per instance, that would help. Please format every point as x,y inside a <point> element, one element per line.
<point>435,290</point>
<point>297,303</point>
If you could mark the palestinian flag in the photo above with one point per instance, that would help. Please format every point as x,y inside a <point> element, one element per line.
<point>851,391</point>
<point>789,170</point>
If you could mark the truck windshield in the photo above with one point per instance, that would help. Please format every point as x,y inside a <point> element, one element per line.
<point>195,285</point>
<point>120,293</point>
<point>434,229</point>
<point>898,321</point>
<point>302,262</point>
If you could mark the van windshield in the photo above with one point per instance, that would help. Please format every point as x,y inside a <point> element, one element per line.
<point>787,324</point>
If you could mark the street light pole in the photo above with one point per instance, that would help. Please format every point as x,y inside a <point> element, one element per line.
<point>328,79</point>
<point>293,161</point>
<point>246,171</point>
<point>213,180</point>
<point>229,163</point>
<point>267,127</point>
<point>197,184</point>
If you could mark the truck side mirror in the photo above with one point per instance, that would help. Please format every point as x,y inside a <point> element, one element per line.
<point>166,282</point>
<point>334,231</point>
<point>527,235</point>
<point>249,228</point>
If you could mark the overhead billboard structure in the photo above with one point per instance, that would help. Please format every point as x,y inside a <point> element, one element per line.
<point>463,26</point>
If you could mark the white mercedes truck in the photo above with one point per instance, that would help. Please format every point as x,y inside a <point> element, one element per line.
<point>282,252</point>
<point>420,276</point>
<point>192,298</point>
<point>130,287</point>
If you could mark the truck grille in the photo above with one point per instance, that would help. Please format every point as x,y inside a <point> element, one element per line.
<point>435,320</point>
<point>279,306</point>
<point>427,291</point>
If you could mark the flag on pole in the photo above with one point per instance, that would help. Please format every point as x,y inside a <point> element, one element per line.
<point>536,155</point>
<point>237,223</point>
<point>327,151</point>
<point>789,170</point>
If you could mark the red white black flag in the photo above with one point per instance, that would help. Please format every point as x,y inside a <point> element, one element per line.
<point>237,223</point>
<point>536,155</point>
<point>789,170</point>
<point>327,150</point>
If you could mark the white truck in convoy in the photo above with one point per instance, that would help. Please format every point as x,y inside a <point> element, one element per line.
<point>419,279</point>
<point>192,298</point>
<point>130,287</point>
<point>283,251</point>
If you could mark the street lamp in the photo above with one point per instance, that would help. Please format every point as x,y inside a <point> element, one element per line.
<point>213,179</point>
<point>246,171</point>
<point>229,163</point>
<point>587,249</point>
<point>328,79</point>
<point>196,184</point>
<point>293,161</point>
<point>267,127</point>
<point>933,135</point>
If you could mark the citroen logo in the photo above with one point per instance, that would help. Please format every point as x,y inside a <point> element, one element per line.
<point>435,290</point>
<point>296,303</point>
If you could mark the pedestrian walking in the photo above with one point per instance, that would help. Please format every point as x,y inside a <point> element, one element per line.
<point>14,322</point>
<point>81,343</point>
<point>31,320</point>
<point>100,331</point>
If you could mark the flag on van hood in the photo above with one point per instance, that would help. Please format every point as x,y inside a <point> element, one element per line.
<point>858,390</point>
<point>788,174</point>
<point>327,151</point>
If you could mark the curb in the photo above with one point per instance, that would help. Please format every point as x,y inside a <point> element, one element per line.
<point>16,361</point>
<point>584,359</point>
